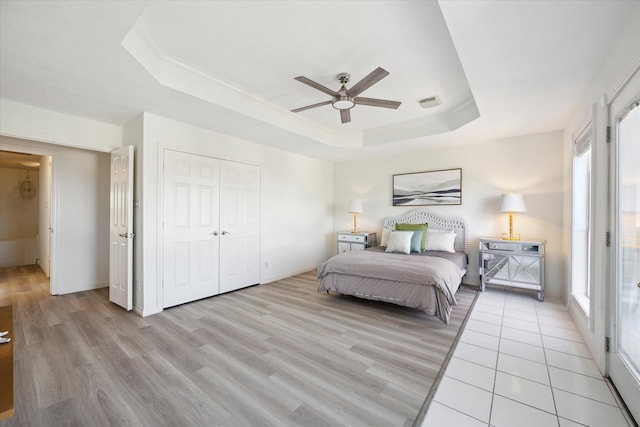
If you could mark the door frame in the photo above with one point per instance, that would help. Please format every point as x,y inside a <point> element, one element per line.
<point>53,290</point>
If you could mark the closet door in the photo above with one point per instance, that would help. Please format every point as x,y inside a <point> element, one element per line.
<point>239,225</point>
<point>191,218</point>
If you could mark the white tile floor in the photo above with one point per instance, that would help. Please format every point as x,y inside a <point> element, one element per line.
<point>522,363</point>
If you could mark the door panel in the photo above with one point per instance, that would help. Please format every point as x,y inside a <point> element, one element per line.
<point>121,228</point>
<point>191,206</point>
<point>239,225</point>
<point>624,358</point>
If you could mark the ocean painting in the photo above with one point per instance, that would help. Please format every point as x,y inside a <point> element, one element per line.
<point>442,187</point>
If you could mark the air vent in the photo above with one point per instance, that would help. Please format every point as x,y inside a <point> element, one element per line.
<point>429,102</point>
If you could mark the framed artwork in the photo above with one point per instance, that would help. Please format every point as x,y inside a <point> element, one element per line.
<point>441,187</point>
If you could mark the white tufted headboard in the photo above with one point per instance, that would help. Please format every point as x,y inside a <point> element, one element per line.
<point>435,221</point>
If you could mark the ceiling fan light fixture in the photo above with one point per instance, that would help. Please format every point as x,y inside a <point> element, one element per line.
<point>343,102</point>
<point>345,99</point>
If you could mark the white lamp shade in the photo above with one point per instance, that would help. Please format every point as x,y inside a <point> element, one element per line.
<point>512,203</point>
<point>355,206</point>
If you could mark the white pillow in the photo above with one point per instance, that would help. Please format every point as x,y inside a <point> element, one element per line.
<point>399,242</point>
<point>385,236</point>
<point>440,240</point>
<point>436,230</point>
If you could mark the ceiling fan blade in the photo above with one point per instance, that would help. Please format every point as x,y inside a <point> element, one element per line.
<point>345,115</point>
<point>374,77</point>
<point>308,107</point>
<point>377,102</point>
<point>315,85</point>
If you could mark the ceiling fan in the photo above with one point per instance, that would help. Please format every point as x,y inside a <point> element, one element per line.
<point>345,99</point>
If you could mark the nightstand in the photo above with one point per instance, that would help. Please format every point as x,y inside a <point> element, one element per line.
<point>348,241</point>
<point>515,264</point>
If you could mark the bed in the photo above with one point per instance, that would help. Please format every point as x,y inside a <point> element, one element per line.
<point>425,280</point>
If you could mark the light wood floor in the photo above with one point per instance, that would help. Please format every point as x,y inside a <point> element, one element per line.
<point>271,355</point>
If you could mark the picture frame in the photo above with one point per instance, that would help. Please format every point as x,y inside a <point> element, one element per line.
<point>437,187</point>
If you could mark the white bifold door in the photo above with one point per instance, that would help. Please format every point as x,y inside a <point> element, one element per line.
<point>211,226</point>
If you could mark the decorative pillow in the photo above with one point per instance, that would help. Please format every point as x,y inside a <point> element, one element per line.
<point>413,227</point>
<point>442,240</point>
<point>385,236</point>
<point>399,242</point>
<point>416,241</point>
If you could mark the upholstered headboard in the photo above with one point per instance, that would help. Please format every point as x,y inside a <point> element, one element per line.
<point>435,221</point>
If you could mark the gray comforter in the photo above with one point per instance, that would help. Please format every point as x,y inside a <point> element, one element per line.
<point>439,273</point>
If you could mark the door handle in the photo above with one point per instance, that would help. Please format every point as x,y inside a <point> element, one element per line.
<point>225,232</point>
<point>125,235</point>
<point>214,233</point>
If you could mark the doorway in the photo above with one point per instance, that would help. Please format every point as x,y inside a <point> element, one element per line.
<point>624,305</point>
<point>26,216</point>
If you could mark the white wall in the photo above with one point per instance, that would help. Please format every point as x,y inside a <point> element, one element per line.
<point>622,54</point>
<point>81,202</point>
<point>296,200</point>
<point>531,165</point>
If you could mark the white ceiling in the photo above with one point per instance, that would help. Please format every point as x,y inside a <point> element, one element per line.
<point>501,68</point>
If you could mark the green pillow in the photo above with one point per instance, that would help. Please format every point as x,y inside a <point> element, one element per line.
<point>416,227</point>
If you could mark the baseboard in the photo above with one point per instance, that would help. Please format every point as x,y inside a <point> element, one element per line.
<point>82,288</point>
<point>286,276</point>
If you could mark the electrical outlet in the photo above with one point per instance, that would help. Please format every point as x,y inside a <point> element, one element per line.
<point>266,264</point>
<point>137,285</point>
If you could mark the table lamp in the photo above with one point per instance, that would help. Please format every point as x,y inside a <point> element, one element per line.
<point>511,203</point>
<point>355,207</point>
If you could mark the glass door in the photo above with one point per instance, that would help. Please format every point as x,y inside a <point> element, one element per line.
<point>624,308</point>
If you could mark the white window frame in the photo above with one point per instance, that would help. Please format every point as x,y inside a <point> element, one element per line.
<point>581,221</point>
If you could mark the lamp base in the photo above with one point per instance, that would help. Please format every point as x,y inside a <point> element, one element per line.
<point>513,236</point>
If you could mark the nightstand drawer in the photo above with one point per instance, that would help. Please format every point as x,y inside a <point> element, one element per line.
<point>355,238</point>
<point>348,241</point>
<point>532,248</point>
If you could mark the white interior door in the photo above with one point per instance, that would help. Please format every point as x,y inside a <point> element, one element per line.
<point>191,218</point>
<point>624,356</point>
<point>121,228</point>
<point>239,225</point>
<point>47,213</point>
<point>44,221</point>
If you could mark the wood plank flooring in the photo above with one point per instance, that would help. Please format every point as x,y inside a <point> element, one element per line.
<point>280,354</point>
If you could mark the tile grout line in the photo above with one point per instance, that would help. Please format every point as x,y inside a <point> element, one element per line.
<point>459,411</point>
<point>424,409</point>
<point>546,362</point>
<point>495,368</point>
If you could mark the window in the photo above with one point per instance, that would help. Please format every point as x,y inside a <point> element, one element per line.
<point>581,236</point>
